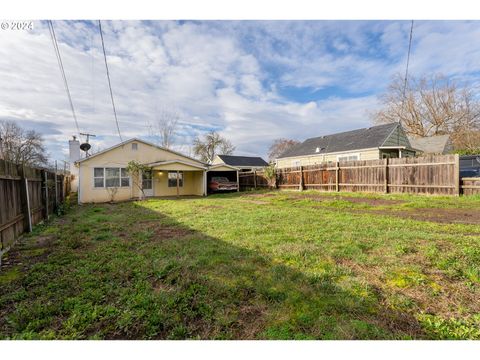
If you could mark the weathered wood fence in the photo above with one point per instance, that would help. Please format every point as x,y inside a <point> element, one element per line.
<point>435,174</point>
<point>471,186</point>
<point>27,196</point>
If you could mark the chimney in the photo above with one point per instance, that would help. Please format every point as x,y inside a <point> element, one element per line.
<point>74,146</point>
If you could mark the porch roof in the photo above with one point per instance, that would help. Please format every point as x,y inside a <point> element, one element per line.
<point>175,165</point>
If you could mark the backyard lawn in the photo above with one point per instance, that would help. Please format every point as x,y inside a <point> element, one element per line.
<point>253,265</point>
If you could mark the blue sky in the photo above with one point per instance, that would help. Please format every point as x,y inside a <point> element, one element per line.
<point>253,81</point>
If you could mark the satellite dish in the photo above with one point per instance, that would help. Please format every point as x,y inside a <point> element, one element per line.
<point>85,147</point>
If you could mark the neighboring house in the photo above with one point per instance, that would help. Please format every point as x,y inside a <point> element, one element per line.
<point>243,163</point>
<point>172,173</point>
<point>376,142</point>
<point>440,144</point>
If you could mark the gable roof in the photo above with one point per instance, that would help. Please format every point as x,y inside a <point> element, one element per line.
<point>137,140</point>
<point>243,160</point>
<point>439,144</point>
<point>366,138</point>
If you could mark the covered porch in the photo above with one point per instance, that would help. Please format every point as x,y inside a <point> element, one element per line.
<point>174,178</point>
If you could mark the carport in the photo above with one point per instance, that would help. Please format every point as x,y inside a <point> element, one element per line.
<point>230,172</point>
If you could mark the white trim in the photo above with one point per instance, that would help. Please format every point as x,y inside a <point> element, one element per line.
<point>392,147</point>
<point>104,187</point>
<point>325,154</point>
<point>357,154</point>
<point>168,162</point>
<point>213,167</point>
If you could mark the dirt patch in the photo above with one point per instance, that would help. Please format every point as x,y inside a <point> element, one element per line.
<point>257,202</point>
<point>172,232</point>
<point>259,195</point>
<point>250,322</point>
<point>448,216</point>
<point>354,200</point>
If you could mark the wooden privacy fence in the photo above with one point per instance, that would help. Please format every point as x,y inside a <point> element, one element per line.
<point>471,186</point>
<point>435,174</point>
<point>27,196</point>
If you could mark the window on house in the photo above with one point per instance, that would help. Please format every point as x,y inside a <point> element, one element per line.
<point>172,179</point>
<point>147,180</point>
<point>98,178</point>
<point>112,177</point>
<point>134,146</point>
<point>296,163</point>
<point>348,157</point>
<point>125,179</point>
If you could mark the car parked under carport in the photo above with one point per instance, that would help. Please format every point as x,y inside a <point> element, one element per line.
<point>221,170</point>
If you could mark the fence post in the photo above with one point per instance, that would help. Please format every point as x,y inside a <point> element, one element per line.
<point>255,179</point>
<point>45,181</point>
<point>457,175</point>
<point>56,188</point>
<point>337,170</point>
<point>301,178</point>
<point>238,182</point>
<point>386,175</point>
<point>26,198</point>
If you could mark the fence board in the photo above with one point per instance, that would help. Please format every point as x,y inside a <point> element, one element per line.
<point>14,219</point>
<point>434,174</point>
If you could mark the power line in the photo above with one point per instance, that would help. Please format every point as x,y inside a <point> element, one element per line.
<point>62,71</point>
<point>408,61</point>
<point>108,77</point>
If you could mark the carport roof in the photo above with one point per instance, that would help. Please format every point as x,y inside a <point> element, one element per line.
<point>240,161</point>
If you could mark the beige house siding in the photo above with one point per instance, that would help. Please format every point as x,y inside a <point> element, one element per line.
<point>121,156</point>
<point>192,184</point>
<point>365,154</point>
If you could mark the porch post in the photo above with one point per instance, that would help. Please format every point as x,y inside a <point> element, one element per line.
<point>238,182</point>
<point>204,182</point>
<point>178,183</point>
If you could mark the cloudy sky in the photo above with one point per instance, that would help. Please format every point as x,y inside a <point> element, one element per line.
<point>252,81</point>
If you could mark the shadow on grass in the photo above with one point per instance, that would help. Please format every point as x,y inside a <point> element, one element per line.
<point>128,272</point>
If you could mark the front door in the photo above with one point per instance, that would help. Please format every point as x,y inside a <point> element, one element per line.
<point>147,183</point>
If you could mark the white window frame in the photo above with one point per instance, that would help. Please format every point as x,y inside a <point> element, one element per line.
<point>104,177</point>
<point>296,163</point>
<point>348,155</point>
<point>181,178</point>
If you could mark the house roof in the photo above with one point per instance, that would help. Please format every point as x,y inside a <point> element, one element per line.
<point>439,144</point>
<point>366,138</point>
<point>137,140</point>
<point>243,160</point>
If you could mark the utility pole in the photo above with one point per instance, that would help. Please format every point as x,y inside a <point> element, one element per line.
<point>86,146</point>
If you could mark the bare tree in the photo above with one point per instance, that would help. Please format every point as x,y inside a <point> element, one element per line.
<point>279,146</point>
<point>432,106</point>
<point>164,128</point>
<point>21,146</point>
<point>212,144</point>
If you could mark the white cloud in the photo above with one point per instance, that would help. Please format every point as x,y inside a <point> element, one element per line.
<point>222,75</point>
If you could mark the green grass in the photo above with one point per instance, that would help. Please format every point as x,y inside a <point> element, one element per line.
<point>278,265</point>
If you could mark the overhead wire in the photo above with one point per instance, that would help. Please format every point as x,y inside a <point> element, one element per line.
<point>109,82</point>
<point>62,71</point>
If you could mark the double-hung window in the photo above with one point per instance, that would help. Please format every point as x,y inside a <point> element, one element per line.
<point>172,178</point>
<point>110,177</point>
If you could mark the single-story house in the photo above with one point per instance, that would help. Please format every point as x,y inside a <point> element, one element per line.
<point>104,174</point>
<point>437,145</point>
<point>243,163</point>
<point>376,142</point>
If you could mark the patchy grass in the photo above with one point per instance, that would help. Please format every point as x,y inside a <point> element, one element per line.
<point>259,265</point>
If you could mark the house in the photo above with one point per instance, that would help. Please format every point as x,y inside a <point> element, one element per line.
<point>376,142</point>
<point>103,177</point>
<point>243,163</point>
<point>439,145</point>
